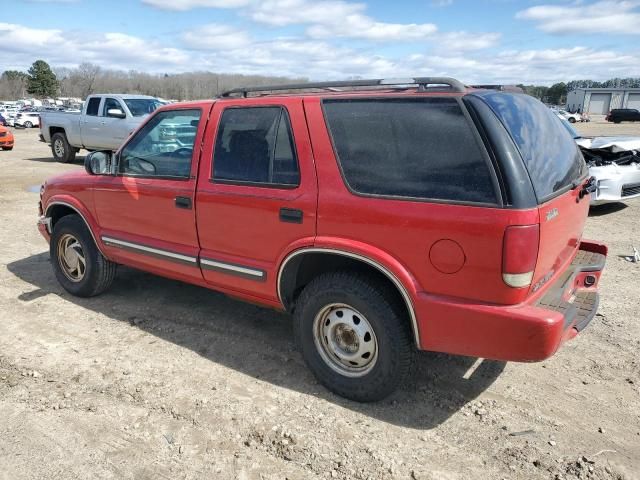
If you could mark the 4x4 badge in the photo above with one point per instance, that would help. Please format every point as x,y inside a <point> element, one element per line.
<point>551,214</point>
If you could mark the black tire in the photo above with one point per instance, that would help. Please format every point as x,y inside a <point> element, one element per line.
<point>98,271</point>
<point>7,148</point>
<point>65,152</point>
<point>617,121</point>
<point>28,125</point>
<point>572,120</point>
<point>388,321</point>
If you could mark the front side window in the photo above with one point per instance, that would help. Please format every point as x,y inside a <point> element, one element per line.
<point>255,146</point>
<point>163,147</point>
<point>109,104</point>
<point>93,107</point>
<point>420,148</point>
<point>140,107</point>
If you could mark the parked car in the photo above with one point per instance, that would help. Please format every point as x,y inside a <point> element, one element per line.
<point>570,117</point>
<point>437,217</point>
<point>6,138</point>
<point>614,162</point>
<point>104,124</point>
<point>27,119</point>
<point>618,115</point>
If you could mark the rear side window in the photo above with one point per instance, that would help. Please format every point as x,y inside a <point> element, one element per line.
<point>94,106</point>
<point>550,153</point>
<point>412,148</point>
<point>255,146</point>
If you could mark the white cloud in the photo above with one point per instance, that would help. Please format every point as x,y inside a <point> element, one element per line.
<point>215,37</point>
<point>608,16</point>
<point>190,4</point>
<point>464,41</point>
<point>336,18</point>
<point>224,49</point>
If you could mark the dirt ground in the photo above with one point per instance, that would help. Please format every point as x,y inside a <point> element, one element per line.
<point>157,379</point>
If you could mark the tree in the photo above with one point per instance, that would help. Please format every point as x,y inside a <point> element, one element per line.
<point>13,84</point>
<point>557,94</point>
<point>42,81</point>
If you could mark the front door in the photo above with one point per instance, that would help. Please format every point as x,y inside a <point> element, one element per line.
<point>259,199</point>
<point>146,212</point>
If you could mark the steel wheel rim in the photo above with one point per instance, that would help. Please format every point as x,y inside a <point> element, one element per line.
<point>71,258</point>
<point>58,147</point>
<point>345,340</point>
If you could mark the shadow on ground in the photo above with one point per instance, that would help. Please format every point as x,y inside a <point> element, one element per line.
<point>606,209</point>
<point>258,342</point>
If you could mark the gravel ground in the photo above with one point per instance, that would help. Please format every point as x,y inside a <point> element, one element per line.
<point>157,379</point>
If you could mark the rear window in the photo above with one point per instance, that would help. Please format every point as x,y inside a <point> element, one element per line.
<point>413,148</point>
<point>550,153</point>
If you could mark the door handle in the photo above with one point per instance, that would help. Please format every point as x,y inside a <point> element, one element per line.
<point>183,202</point>
<point>291,215</point>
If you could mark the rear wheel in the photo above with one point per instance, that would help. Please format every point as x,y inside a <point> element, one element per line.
<point>572,120</point>
<point>7,148</point>
<point>62,151</point>
<point>28,124</point>
<point>78,264</point>
<point>353,336</point>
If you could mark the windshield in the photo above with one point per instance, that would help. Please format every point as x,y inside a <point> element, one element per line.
<point>550,154</point>
<point>142,106</point>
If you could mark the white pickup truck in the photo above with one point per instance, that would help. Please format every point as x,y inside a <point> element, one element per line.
<point>105,122</point>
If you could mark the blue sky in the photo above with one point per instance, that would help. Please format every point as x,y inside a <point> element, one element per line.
<point>501,41</point>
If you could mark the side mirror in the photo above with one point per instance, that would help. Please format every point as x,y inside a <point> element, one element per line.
<point>116,113</point>
<point>98,163</point>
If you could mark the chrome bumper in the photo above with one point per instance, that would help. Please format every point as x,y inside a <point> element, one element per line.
<point>46,221</point>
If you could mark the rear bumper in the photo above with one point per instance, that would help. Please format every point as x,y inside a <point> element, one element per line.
<point>531,331</point>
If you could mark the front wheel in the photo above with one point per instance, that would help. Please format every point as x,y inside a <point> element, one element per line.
<point>572,120</point>
<point>28,124</point>
<point>78,264</point>
<point>353,336</point>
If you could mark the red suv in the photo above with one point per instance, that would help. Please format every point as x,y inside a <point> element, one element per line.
<point>385,216</point>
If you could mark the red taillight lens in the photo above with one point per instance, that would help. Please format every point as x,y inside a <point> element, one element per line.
<point>519,254</point>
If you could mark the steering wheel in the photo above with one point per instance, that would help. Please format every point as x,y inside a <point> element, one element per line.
<point>183,152</point>
<point>140,166</point>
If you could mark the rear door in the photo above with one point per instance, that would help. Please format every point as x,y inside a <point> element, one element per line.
<point>257,199</point>
<point>557,171</point>
<point>91,123</point>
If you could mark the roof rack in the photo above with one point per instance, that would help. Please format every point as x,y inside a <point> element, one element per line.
<point>421,82</point>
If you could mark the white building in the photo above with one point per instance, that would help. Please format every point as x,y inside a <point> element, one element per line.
<point>600,100</point>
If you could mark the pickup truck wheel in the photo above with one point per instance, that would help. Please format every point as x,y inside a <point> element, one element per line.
<point>62,151</point>
<point>78,264</point>
<point>353,336</point>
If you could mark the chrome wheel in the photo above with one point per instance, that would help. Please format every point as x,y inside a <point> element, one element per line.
<point>71,258</point>
<point>58,148</point>
<point>345,340</point>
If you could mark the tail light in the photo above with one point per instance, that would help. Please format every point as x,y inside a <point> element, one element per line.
<point>519,254</point>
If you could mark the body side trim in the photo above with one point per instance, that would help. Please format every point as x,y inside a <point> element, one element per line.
<point>403,291</point>
<point>233,269</point>
<point>156,252</point>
